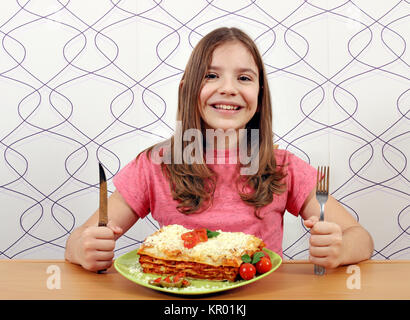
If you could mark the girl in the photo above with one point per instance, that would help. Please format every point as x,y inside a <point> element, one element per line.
<point>224,88</point>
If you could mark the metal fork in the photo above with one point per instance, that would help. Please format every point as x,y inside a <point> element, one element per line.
<point>322,193</point>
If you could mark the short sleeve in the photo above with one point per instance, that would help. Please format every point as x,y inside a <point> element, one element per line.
<point>301,179</point>
<point>132,184</point>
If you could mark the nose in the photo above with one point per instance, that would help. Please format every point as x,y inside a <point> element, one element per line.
<point>227,87</point>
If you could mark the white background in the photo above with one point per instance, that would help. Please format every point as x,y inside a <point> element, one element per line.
<point>89,81</point>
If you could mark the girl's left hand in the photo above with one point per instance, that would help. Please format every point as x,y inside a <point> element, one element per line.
<point>325,245</point>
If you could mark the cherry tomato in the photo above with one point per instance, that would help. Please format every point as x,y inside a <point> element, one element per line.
<point>263,265</point>
<point>266,254</point>
<point>202,235</point>
<point>188,235</point>
<point>247,271</point>
<point>190,243</point>
<point>179,276</point>
<point>191,239</point>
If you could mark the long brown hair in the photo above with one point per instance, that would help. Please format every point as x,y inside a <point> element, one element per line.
<point>193,184</point>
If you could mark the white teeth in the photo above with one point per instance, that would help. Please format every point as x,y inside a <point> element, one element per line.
<point>225,107</point>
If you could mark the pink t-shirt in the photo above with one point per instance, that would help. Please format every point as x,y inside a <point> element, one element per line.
<point>145,189</point>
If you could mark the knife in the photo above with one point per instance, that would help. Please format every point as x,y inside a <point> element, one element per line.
<point>103,214</point>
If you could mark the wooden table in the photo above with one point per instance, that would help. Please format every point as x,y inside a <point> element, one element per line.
<point>28,279</point>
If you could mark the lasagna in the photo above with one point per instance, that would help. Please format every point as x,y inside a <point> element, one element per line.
<point>215,258</point>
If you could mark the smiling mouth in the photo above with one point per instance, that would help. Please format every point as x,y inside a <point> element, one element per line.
<point>225,107</point>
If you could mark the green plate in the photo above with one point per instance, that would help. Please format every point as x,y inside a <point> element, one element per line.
<point>128,266</point>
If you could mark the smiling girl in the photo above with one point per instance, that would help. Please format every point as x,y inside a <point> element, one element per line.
<point>224,88</point>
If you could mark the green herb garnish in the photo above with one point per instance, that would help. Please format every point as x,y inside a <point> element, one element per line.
<point>211,234</point>
<point>257,256</point>
<point>246,258</point>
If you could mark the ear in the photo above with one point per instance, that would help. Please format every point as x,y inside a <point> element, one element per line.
<point>181,84</point>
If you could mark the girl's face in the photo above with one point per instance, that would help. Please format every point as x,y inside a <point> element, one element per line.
<point>229,96</point>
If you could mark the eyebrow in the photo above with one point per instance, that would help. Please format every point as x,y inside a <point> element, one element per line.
<point>216,68</point>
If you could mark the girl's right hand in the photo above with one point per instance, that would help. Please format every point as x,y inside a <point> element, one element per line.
<point>96,245</point>
<point>93,247</point>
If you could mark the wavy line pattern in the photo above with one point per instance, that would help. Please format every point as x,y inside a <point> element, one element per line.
<point>82,82</point>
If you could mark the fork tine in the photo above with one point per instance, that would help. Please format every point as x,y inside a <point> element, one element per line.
<point>322,184</point>
<point>327,180</point>
<point>321,179</point>
<point>322,172</point>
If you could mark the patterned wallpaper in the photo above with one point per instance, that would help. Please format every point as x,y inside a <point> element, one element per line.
<point>96,80</point>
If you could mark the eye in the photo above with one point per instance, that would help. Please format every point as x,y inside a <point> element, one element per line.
<point>244,78</point>
<point>211,75</point>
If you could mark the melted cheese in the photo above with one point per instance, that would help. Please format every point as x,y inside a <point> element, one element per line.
<point>226,249</point>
